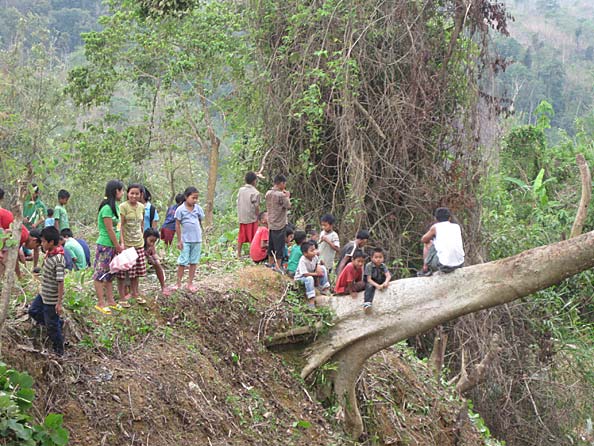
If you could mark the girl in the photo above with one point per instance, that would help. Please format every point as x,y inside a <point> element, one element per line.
<point>168,228</point>
<point>151,216</point>
<point>188,228</point>
<point>132,216</point>
<point>108,245</point>
<point>151,237</point>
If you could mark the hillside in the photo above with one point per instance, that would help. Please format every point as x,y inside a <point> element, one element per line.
<point>192,370</point>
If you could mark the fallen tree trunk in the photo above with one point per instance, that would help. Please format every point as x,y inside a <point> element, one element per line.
<point>412,306</point>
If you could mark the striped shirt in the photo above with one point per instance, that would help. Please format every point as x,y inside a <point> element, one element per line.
<point>51,275</point>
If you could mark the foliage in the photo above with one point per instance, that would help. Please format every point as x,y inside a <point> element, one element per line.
<point>16,425</point>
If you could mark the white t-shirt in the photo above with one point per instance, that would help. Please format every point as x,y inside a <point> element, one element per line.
<point>327,254</point>
<point>448,243</point>
<point>306,266</point>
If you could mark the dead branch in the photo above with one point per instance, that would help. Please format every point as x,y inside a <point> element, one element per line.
<point>478,374</point>
<point>582,212</point>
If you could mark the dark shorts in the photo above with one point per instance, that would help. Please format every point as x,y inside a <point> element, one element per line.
<point>276,243</point>
<point>103,257</point>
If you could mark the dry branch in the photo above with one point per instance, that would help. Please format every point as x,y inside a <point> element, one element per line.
<point>582,212</point>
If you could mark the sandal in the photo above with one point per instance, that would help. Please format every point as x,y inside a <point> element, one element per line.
<point>124,304</point>
<point>140,301</point>
<point>104,310</point>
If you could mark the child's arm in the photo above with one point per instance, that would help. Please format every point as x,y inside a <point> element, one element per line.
<point>387,281</point>
<point>351,289</point>
<point>60,297</point>
<point>123,226</point>
<point>108,222</point>
<point>178,232</point>
<point>263,243</point>
<point>429,235</point>
<point>374,283</point>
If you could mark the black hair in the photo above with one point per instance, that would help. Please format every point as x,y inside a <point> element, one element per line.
<point>313,242</point>
<point>442,214</point>
<point>50,212</point>
<point>111,189</point>
<point>34,187</point>
<point>135,186</point>
<point>288,230</point>
<point>358,253</point>
<point>363,234</point>
<point>66,232</point>
<point>146,193</point>
<point>36,234</point>
<point>280,178</point>
<point>328,218</point>
<point>378,249</point>
<point>313,232</point>
<point>189,191</point>
<point>63,193</point>
<point>51,234</point>
<point>305,246</point>
<point>250,177</point>
<point>150,232</point>
<point>299,237</point>
<point>261,216</point>
<point>179,199</point>
<point>1,193</point>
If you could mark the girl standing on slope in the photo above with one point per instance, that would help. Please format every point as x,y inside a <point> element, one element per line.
<point>108,245</point>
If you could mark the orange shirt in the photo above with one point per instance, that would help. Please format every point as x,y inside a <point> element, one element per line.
<point>257,253</point>
<point>348,275</point>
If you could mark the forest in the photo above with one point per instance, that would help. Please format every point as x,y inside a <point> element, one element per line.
<point>376,113</point>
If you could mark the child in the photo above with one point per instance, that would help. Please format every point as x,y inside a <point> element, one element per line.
<point>329,242</point>
<point>296,253</point>
<point>50,220</point>
<point>259,245</point>
<point>76,251</point>
<point>60,211</point>
<point>376,276</point>
<point>308,270</point>
<point>288,241</point>
<point>443,249</point>
<point>350,281</point>
<point>314,236</point>
<point>108,245</point>
<point>168,228</point>
<point>34,212</point>
<point>86,249</point>
<point>248,208</point>
<point>47,306</point>
<point>346,253</point>
<point>151,216</point>
<point>188,228</point>
<point>67,256</point>
<point>278,203</point>
<point>132,221</point>
<point>151,237</point>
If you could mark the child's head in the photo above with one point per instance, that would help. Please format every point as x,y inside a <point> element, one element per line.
<point>151,235</point>
<point>288,234</point>
<point>145,195</point>
<point>34,239</point>
<point>308,250</point>
<point>362,238</point>
<point>263,218</point>
<point>63,196</point>
<point>66,233</point>
<point>314,235</point>
<point>378,256</point>
<point>62,241</point>
<point>251,178</point>
<point>34,188</point>
<point>50,238</point>
<point>280,181</point>
<point>134,192</point>
<point>50,212</point>
<point>299,237</point>
<point>442,214</point>
<point>179,199</point>
<point>327,222</point>
<point>358,258</point>
<point>114,190</point>
<point>191,195</point>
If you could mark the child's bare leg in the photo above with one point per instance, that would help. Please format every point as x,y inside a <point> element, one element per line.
<point>160,274</point>
<point>426,247</point>
<point>99,289</point>
<point>239,246</point>
<point>122,288</point>
<point>109,294</point>
<point>180,275</point>
<point>134,287</point>
<point>191,275</point>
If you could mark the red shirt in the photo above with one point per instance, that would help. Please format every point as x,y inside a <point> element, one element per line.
<point>24,235</point>
<point>348,275</point>
<point>6,218</point>
<point>257,253</point>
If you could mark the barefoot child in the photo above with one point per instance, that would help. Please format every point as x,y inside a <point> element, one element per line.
<point>132,222</point>
<point>376,275</point>
<point>350,280</point>
<point>108,245</point>
<point>151,237</point>
<point>188,227</point>
<point>329,242</point>
<point>311,273</point>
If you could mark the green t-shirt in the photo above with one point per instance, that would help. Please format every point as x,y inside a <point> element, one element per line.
<point>294,257</point>
<point>35,211</point>
<point>106,212</point>
<point>76,252</point>
<point>133,218</point>
<point>61,215</point>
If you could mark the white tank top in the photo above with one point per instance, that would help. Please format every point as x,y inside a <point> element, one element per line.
<point>448,244</point>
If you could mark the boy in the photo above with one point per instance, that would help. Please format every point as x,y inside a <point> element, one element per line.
<point>34,212</point>
<point>443,249</point>
<point>308,270</point>
<point>50,220</point>
<point>329,242</point>
<point>278,203</point>
<point>47,306</point>
<point>61,216</point>
<point>296,253</point>
<point>288,240</point>
<point>350,281</point>
<point>30,241</point>
<point>376,276</point>
<point>75,249</point>
<point>259,245</point>
<point>85,246</point>
<point>346,253</point>
<point>248,208</point>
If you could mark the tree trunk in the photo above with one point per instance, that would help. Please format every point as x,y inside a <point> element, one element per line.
<point>412,306</point>
<point>213,163</point>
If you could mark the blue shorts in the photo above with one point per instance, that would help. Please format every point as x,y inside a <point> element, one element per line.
<point>190,254</point>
